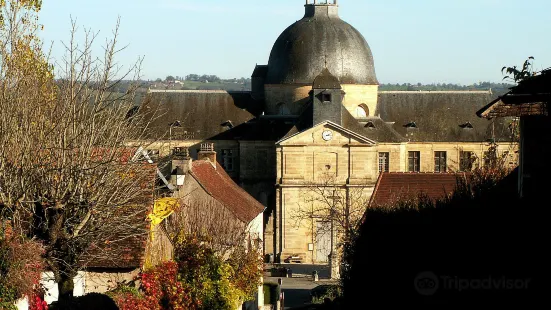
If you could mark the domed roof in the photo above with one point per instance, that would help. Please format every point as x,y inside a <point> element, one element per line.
<point>321,40</point>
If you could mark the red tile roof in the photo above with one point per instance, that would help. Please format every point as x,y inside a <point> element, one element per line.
<point>394,185</point>
<point>127,251</point>
<point>221,187</point>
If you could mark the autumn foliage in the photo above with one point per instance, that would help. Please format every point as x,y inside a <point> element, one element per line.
<point>198,279</point>
<point>20,269</point>
<point>160,289</point>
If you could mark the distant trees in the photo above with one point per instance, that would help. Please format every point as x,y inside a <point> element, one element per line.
<point>496,87</point>
<point>202,78</point>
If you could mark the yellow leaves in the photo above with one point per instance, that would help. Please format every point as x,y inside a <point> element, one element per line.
<point>162,209</point>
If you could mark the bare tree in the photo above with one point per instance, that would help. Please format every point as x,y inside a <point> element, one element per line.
<point>340,206</point>
<point>68,171</point>
<point>210,223</point>
<point>327,200</point>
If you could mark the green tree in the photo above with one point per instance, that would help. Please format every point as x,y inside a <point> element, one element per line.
<point>516,74</point>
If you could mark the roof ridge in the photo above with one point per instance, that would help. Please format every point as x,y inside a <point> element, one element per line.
<point>435,92</point>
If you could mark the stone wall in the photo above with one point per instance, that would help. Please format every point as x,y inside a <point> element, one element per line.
<point>101,282</point>
<point>360,94</point>
<point>453,153</point>
<point>295,97</point>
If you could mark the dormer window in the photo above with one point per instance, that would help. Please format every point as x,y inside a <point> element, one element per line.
<point>326,97</point>
<point>467,125</point>
<point>370,125</point>
<point>410,125</point>
<point>228,124</point>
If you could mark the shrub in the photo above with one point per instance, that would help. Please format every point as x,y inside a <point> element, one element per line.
<point>248,269</point>
<point>198,279</point>
<point>21,266</point>
<point>481,230</point>
<point>160,289</point>
<point>208,276</point>
<point>321,293</point>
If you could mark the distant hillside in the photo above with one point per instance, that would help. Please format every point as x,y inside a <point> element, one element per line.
<point>245,85</point>
<point>195,85</point>
<point>497,88</point>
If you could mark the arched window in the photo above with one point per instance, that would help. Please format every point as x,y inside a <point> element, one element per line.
<point>283,109</point>
<point>362,110</point>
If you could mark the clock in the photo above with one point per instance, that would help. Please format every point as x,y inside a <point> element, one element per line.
<point>327,135</point>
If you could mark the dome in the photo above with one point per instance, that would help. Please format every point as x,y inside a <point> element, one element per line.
<point>321,40</point>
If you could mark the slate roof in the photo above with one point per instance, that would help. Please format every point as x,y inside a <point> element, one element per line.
<point>200,113</point>
<point>321,40</point>
<point>438,116</point>
<point>381,132</point>
<point>326,80</point>
<point>394,185</point>
<point>218,184</point>
<point>259,129</point>
<point>260,71</point>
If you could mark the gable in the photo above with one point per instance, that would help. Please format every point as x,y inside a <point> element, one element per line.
<point>336,135</point>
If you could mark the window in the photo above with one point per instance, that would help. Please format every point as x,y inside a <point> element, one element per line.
<point>466,159</point>
<point>283,109</point>
<point>326,97</point>
<point>362,110</point>
<point>439,161</point>
<point>414,161</point>
<point>227,160</point>
<point>384,162</point>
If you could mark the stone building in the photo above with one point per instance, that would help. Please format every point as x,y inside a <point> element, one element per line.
<point>315,109</point>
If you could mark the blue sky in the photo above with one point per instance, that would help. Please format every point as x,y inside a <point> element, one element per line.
<point>452,41</point>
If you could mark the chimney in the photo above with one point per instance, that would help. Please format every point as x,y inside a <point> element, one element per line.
<point>207,153</point>
<point>181,164</point>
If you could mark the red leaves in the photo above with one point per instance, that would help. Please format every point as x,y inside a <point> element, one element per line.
<point>21,265</point>
<point>160,290</point>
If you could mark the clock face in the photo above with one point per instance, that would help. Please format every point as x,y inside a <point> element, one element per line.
<point>327,135</point>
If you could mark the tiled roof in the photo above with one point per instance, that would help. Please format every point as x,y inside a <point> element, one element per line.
<point>126,249</point>
<point>394,185</point>
<point>221,187</point>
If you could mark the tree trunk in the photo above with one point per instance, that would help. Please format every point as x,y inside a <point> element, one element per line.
<point>65,287</point>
